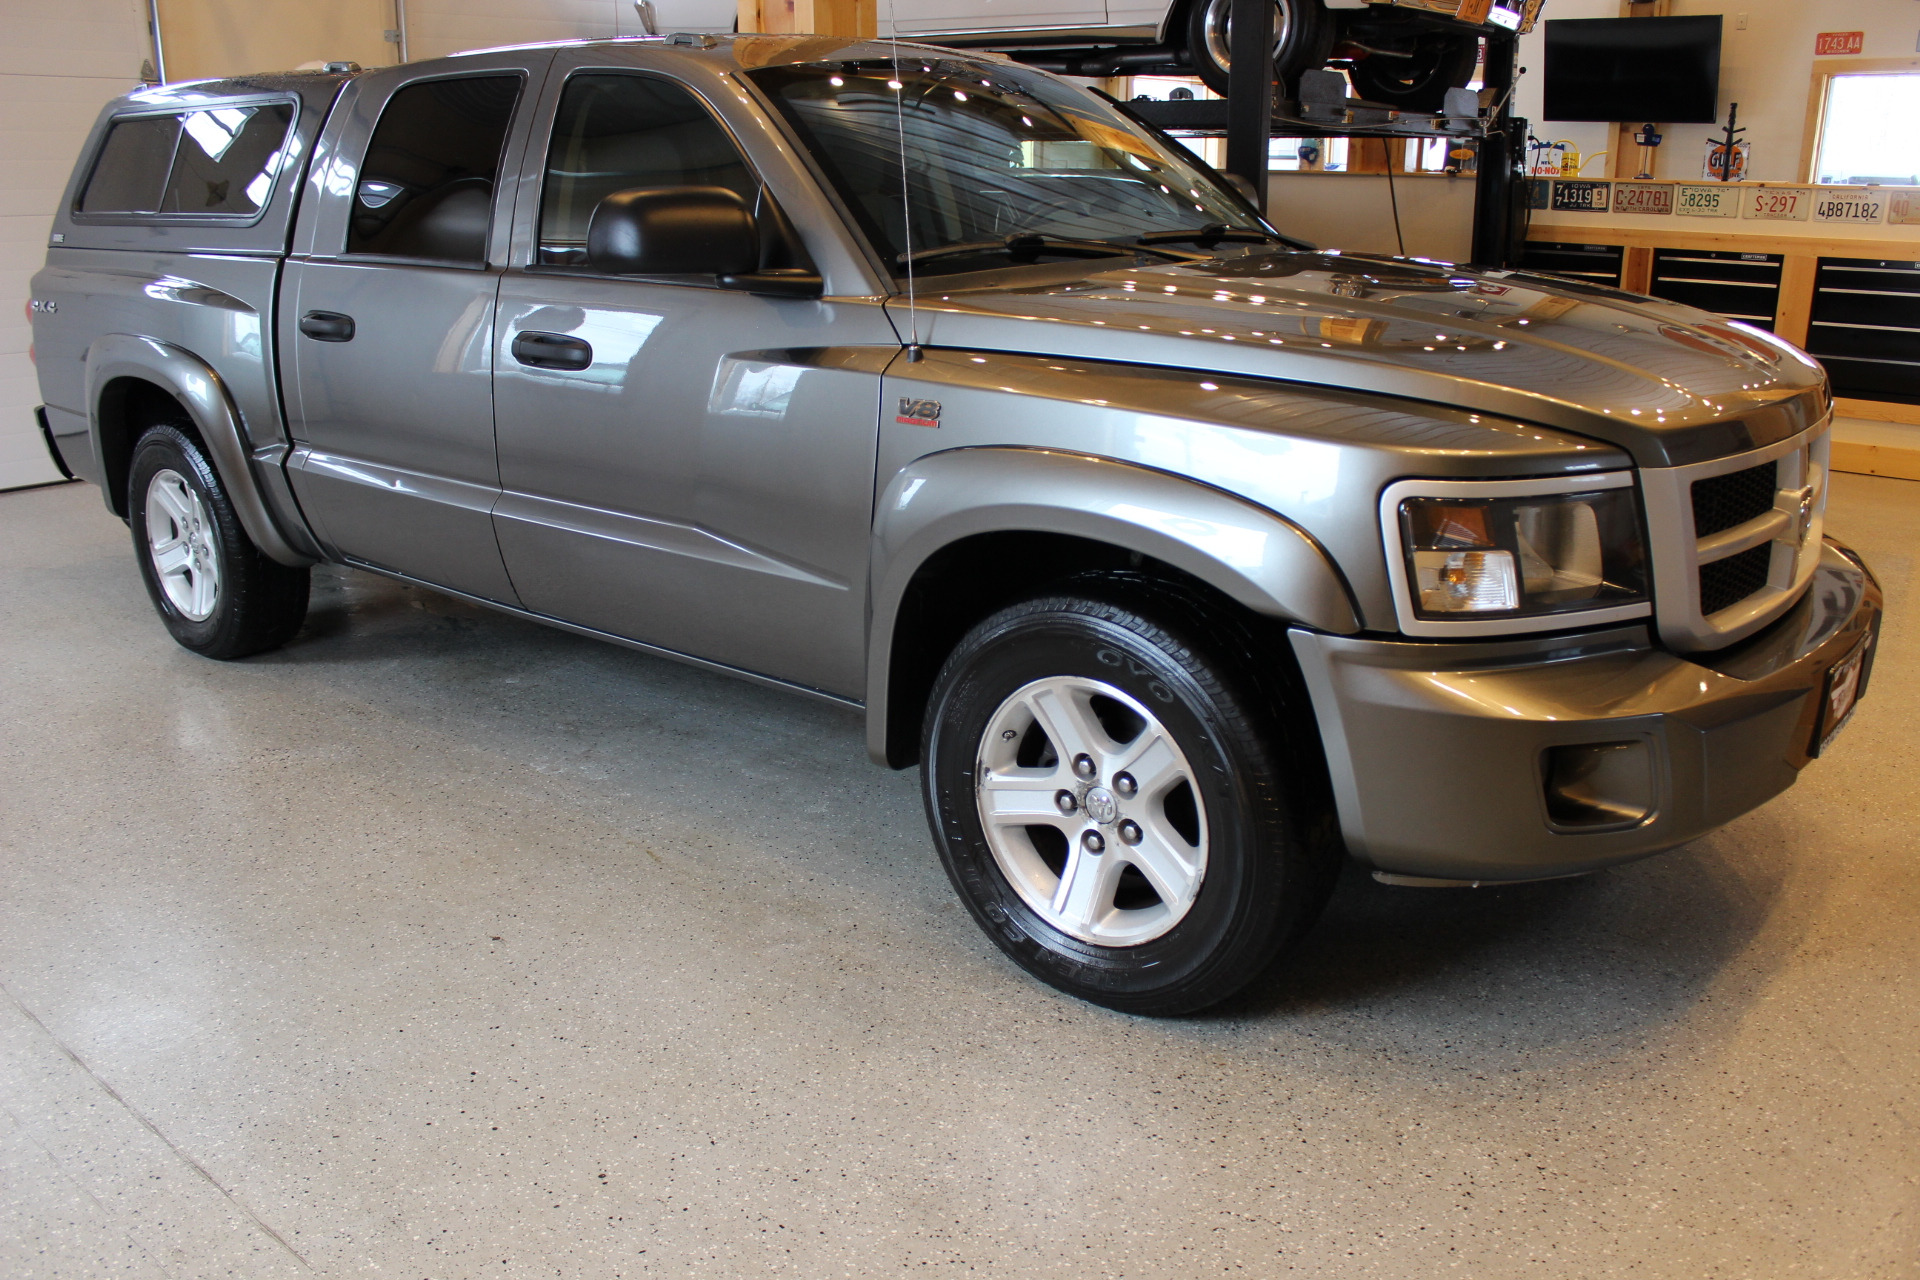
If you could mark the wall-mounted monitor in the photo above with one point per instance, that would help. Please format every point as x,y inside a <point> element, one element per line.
<point>1634,70</point>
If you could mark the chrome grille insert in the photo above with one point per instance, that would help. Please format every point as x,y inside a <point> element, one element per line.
<point>1736,539</point>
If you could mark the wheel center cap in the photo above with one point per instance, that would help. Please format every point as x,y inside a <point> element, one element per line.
<point>1100,805</point>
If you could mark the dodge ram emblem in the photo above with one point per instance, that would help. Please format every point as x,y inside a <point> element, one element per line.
<point>918,413</point>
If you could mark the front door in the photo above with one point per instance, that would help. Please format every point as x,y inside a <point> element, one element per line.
<point>681,464</point>
<point>390,324</point>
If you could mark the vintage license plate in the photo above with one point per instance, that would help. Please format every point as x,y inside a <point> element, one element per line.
<point>1582,197</point>
<point>1643,197</point>
<point>1903,208</point>
<point>1846,682</point>
<point>1709,202</point>
<point>1780,204</point>
<point>1854,208</point>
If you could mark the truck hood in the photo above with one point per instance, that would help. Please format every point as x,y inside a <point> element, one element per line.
<point>1668,384</point>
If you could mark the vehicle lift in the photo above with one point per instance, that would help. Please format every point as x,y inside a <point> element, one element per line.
<point>1251,114</point>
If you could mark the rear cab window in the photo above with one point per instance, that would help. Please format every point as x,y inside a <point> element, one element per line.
<point>210,162</point>
<point>426,187</point>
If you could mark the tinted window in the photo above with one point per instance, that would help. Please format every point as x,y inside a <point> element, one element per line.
<point>132,172</point>
<point>218,161</point>
<point>225,159</point>
<point>617,132</point>
<point>426,188</point>
<point>996,161</point>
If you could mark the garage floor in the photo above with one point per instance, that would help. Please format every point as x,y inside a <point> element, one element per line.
<point>444,945</point>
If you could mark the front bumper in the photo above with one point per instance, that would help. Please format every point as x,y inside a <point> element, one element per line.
<point>1447,759</point>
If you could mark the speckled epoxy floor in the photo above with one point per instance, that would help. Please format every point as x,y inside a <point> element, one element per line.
<point>443,945</point>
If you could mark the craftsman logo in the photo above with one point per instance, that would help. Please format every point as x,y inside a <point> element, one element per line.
<point>918,413</point>
<point>1830,44</point>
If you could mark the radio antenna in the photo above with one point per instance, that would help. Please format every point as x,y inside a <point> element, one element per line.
<point>899,87</point>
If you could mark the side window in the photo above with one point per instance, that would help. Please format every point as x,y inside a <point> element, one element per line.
<point>426,187</point>
<point>217,161</point>
<point>226,159</point>
<point>617,132</point>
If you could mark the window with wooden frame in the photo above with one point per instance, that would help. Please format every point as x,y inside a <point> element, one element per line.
<point>1857,114</point>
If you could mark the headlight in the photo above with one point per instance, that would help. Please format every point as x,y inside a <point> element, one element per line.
<point>1487,557</point>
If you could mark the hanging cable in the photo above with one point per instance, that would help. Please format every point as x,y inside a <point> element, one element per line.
<point>1393,195</point>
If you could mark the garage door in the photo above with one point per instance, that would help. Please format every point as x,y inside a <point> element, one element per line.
<point>59,64</point>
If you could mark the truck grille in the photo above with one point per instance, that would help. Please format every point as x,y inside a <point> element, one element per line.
<point>1735,539</point>
<point>1726,502</point>
<point>1725,583</point>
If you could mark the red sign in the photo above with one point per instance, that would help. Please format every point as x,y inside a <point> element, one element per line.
<point>1829,43</point>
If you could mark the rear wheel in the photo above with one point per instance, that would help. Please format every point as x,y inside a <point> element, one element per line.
<point>1302,39</point>
<point>1113,805</point>
<point>217,593</point>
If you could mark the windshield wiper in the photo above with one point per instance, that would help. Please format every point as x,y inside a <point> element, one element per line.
<point>1031,246</point>
<point>1211,234</point>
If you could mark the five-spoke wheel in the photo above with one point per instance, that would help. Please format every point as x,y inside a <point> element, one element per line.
<point>217,593</point>
<point>1123,808</point>
<point>1089,807</point>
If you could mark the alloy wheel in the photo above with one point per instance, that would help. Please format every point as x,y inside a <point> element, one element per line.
<point>181,541</point>
<point>1091,811</point>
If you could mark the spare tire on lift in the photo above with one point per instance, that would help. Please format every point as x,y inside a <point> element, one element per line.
<point>1302,39</point>
<point>1419,81</point>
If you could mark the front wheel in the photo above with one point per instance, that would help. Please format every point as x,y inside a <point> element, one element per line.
<point>1302,39</point>
<point>1112,805</point>
<point>217,593</point>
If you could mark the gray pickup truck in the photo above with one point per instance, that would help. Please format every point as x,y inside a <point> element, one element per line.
<point>1184,561</point>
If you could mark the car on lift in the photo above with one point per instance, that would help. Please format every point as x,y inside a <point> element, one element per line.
<point>1404,53</point>
<point>1184,562</point>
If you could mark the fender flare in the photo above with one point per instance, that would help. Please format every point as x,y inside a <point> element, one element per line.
<point>1251,554</point>
<point>189,380</point>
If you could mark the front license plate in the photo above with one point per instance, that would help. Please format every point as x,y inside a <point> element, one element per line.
<point>1845,683</point>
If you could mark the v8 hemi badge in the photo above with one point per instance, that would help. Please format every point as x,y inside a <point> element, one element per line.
<point>918,413</point>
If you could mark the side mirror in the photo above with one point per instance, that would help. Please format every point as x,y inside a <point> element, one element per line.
<point>673,231</point>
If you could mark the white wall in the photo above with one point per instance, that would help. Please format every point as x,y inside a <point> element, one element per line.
<point>1766,68</point>
<point>1353,211</point>
<point>59,64</point>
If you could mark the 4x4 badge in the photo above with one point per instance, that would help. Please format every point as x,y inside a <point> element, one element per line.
<point>918,413</point>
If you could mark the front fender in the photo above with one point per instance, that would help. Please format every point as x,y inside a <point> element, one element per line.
<point>1245,551</point>
<point>200,391</point>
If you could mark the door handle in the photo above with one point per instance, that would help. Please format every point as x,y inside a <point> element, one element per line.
<point>327,326</point>
<point>551,350</point>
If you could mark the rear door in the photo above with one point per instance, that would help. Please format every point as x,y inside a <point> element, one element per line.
<point>388,318</point>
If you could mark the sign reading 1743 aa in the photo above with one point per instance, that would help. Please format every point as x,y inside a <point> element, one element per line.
<point>1582,197</point>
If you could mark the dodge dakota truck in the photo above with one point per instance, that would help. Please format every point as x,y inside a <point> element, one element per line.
<point>1183,561</point>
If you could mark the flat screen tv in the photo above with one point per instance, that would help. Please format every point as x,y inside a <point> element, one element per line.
<point>1634,70</point>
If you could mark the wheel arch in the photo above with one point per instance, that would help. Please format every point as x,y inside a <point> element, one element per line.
<point>944,558</point>
<point>134,382</point>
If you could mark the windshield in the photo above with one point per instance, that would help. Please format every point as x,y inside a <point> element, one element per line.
<point>1002,166</point>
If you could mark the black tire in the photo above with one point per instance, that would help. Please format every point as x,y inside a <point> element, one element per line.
<point>1268,859</point>
<point>1419,83</point>
<point>253,603</point>
<point>1303,37</point>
